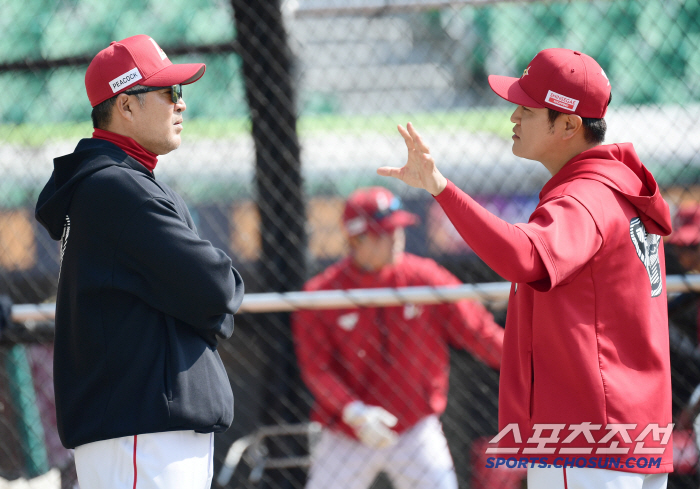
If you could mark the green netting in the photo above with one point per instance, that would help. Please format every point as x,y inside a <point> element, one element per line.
<point>355,77</point>
<point>650,50</point>
<point>29,423</point>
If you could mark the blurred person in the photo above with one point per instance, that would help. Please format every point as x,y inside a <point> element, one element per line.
<point>685,238</point>
<point>586,346</point>
<point>379,375</point>
<point>683,310</point>
<point>684,318</point>
<point>142,300</point>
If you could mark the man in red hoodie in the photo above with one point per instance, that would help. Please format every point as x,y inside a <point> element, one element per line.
<point>585,391</point>
<point>379,375</point>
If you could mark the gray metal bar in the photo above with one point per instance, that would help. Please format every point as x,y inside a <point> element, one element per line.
<point>334,299</point>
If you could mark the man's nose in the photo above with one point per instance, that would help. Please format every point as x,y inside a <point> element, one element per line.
<point>515,116</point>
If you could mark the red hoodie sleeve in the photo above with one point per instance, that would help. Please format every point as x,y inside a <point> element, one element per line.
<point>566,238</point>
<point>314,355</point>
<point>541,253</point>
<point>504,247</point>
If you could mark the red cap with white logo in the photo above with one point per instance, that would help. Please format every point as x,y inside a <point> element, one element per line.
<point>136,60</point>
<point>560,79</point>
<point>375,210</point>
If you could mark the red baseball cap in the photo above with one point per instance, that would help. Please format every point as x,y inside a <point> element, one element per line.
<point>131,61</point>
<point>686,226</point>
<point>376,210</point>
<point>560,79</point>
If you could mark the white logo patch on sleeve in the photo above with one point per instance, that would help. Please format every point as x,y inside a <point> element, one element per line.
<point>348,321</point>
<point>412,311</point>
<point>128,78</point>
<point>647,247</point>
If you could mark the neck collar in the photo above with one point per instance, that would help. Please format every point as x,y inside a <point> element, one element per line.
<point>130,147</point>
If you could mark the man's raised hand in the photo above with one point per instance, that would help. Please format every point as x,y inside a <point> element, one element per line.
<point>420,170</point>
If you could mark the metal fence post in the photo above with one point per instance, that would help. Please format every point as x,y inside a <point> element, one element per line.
<point>267,66</point>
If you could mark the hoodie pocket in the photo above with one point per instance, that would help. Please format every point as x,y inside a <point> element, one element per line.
<point>198,391</point>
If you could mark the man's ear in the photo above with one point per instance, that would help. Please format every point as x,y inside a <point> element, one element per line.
<point>572,124</point>
<point>123,106</point>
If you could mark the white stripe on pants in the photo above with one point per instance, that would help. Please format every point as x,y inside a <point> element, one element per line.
<point>421,459</point>
<point>169,460</point>
<point>585,478</point>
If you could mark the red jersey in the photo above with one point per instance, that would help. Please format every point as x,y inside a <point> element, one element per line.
<point>587,328</point>
<point>393,357</point>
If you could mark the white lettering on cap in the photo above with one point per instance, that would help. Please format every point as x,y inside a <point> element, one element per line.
<point>128,78</point>
<point>161,53</point>
<point>562,101</point>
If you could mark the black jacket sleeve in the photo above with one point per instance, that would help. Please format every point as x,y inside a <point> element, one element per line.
<point>165,263</point>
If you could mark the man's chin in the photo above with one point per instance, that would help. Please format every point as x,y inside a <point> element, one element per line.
<point>515,150</point>
<point>174,144</point>
<point>520,154</point>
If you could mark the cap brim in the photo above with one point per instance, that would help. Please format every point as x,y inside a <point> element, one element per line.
<point>182,74</point>
<point>508,88</point>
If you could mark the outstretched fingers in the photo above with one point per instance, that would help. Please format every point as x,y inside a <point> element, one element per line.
<point>419,170</point>
<point>416,139</point>
<point>406,136</point>
<point>387,171</point>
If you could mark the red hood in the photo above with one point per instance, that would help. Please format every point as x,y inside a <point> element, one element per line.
<point>619,167</point>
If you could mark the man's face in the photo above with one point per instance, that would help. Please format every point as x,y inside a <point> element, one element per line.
<point>158,123</point>
<point>533,135</point>
<point>374,251</point>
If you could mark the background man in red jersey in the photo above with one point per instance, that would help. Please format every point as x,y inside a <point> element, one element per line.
<point>379,376</point>
<point>586,339</point>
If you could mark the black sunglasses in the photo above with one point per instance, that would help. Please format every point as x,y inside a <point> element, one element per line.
<point>175,91</point>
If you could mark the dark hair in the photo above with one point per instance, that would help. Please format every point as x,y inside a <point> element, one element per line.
<point>593,129</point>
<point>102,113</point>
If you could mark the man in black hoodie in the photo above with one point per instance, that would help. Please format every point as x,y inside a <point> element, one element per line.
<point>142,300</point>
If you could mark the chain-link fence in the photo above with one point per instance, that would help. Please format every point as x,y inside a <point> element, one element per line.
<point>298,107</point>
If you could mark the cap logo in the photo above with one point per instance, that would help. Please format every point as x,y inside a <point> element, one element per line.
<point>605,76</point>
<point>123,81</point>
<point>561,101</point>
<point>526,71</point>
<point>161,53</point>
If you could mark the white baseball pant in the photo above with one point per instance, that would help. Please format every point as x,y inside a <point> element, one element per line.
<point>420,459</point>
<point>585,478</point>
<point>169,460</point>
